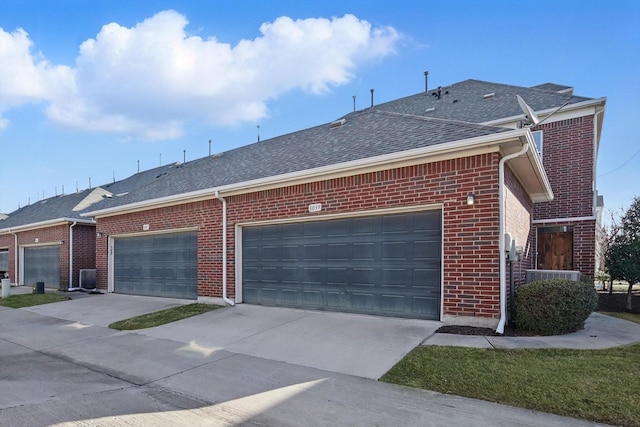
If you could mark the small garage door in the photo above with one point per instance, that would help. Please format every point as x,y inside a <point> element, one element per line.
<point>42,264</point>
<point>383,265</point>
<point>164,265</point>
<point>4,260</point>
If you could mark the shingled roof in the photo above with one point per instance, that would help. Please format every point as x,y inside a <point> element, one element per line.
<point>359,135</point>
<point>476,101</point>
<point>68,207</point>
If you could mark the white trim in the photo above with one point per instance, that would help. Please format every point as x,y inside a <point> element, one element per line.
<point>485,143</point>
<point>560,220</point>
<point>110,264</point>
<point>372,212</point>
<point>44,224</point>
<point>149,233</point>
<point>369,212</point>
<point>571,111</point>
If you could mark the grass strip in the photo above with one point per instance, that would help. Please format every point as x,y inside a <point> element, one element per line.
<point>633,317</point>
<point>597,385</point>
<point>162,317</point>
<point>28,300</point>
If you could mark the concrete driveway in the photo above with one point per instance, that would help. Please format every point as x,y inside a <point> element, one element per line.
<point>69,372</point>
<point>359,345</point>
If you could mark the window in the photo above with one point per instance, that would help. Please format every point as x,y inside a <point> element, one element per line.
<point>537,137</point>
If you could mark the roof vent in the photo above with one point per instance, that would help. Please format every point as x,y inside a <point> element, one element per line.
<point>337,123</point>
<point>489,95</point>
<point>430,110</point>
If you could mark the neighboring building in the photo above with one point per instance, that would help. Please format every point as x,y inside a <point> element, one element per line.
<point>48,241</point>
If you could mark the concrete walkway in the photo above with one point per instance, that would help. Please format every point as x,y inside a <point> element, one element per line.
<point>71,372</point>
<point>600,331</point>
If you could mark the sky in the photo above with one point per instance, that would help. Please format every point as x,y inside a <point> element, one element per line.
<point>93,91</point>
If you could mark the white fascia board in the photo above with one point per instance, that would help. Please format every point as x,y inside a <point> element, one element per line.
<point>414,156</point>
<point>578,109</point>
<point>48,223</point>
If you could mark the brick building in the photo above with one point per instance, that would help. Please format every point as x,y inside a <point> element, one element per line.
<point>400,209</point>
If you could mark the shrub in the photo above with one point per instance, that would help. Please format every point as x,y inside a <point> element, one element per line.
<point>554,307</point>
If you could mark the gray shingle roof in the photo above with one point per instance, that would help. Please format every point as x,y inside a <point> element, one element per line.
<point>466,101</point>
<point>66,206</point>
<point>364,134</point>
<point>57,207</point>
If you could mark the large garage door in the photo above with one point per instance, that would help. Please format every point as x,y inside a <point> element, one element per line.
<point>164,265</point>
<point>385,265</point>
<point>42,264</point>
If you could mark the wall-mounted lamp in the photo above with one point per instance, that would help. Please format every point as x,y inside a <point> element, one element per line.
<point>471,199</point>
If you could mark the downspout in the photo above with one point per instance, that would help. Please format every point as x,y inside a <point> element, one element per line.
<point>71,288</point>
<point>15,257</point>
<point>503,261</point>
<point>224,249</point>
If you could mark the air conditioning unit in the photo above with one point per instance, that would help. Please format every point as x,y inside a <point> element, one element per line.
<point>533,275</point>
<point>88,278</point>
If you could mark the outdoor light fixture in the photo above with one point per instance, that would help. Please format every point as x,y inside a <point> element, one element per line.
<point>471,199</point>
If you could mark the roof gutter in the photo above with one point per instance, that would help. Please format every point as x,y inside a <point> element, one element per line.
<point>501,246</point>
<point>414,155</point>
<point>543,113</point>
<point>224,249</point>
<point>48,223</point>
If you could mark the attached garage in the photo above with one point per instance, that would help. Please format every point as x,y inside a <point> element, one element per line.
<point>42,264</point>
<point>386,265</point>
<point>163,265</point>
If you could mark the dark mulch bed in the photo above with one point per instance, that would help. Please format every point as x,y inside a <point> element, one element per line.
<point>615,302</point>
<point>487,332</point>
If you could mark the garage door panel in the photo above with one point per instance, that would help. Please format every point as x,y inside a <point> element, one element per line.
<point>157,265</point>
<point>386,264</point>
<point>42,264</point>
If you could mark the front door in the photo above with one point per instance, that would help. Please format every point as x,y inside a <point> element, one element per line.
<point>555,248</point>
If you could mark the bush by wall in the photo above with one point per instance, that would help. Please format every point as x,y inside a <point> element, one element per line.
<point>554,307</point>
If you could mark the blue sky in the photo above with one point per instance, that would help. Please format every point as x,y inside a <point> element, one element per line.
<point>89,90</point>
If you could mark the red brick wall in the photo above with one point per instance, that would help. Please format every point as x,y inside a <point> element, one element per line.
<point>567,155</point>
<point>84,250</point>
<point>471,263</point>
<point>518,212</point>
<point>568,161</point>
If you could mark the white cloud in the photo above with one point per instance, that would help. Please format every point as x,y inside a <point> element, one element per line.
<point>145,81</point>
<point>25,77</point>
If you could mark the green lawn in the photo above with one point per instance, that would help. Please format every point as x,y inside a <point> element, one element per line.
<point>633,317</point>
<point>597,385</point>
<point>28,300</point>
<point>162,317</point>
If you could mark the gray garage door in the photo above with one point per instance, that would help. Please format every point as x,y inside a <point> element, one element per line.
<point>4,260</point>
<point>384,265</point>
<point>42,264</point>
<point>164,265</point>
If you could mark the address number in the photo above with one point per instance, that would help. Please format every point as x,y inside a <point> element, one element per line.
<point>316,207</point>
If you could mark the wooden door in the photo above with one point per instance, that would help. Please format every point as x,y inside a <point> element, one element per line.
<point>555,250</point>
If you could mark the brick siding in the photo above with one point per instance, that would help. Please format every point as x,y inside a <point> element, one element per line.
<point>470,233</point>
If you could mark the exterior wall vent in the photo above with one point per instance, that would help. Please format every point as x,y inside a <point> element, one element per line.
<point>337,123</point>
<point>533,275</point>
<point>88,278</point>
